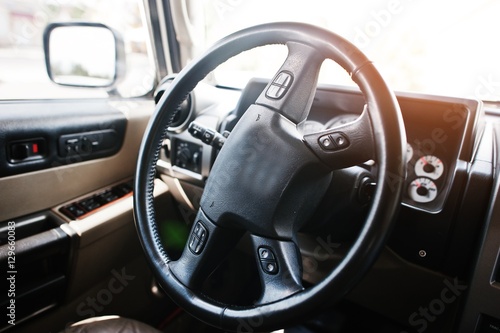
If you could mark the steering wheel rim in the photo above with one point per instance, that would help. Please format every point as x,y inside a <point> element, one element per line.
<point>389,143</point>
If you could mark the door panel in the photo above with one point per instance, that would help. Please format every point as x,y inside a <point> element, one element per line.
<point>30,192</point>
<point>68,258</point>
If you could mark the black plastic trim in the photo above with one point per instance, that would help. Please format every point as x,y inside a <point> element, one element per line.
<point>173,44</point>
<point>79,209</point>
<point>39,266</point>
<point>49,121</point>
<point>155,31</point>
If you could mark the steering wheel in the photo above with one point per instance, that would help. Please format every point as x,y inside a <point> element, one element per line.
<point>268,179</point>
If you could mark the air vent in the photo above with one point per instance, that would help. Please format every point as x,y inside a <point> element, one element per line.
<point>184,113</point>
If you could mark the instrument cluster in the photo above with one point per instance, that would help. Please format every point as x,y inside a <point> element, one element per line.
<point>425,176</point>
<point>431,157</point>
<point>436,129</point>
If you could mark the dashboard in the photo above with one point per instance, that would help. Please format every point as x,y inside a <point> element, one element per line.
<point>435,129</point>
<point>441,136</point>
<point>447,224</point>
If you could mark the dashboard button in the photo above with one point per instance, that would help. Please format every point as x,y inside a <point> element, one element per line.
<point>340,140</point>
<point>269,266</point>
<point>208,136</point>
<point>334,141</point>
<point>107,197</point>
<point>265,253</point>
<point>198,238</point>
<point>75,210</point>
<point>267,260</point>
<point>90,204</point>
<point>280,85</point>
<point>327,143</point>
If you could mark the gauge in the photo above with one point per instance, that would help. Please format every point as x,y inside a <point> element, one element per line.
<point>409,152</point>
<point>422,190</point>
<point>429,166</point>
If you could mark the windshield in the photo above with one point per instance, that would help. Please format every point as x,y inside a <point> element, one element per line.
<point>439,47</point>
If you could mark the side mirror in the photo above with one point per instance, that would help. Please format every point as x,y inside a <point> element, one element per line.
<point>82,54</point>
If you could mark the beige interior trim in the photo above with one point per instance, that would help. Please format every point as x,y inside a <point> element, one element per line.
<point>35,191</point>
<point>106,220</point>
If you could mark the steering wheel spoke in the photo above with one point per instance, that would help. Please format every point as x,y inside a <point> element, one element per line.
<point>280,268</point>
<point>207,246</point>
<point>346,145</point>
<point>292,89</point>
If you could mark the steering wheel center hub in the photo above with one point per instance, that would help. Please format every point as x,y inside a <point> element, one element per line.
<point>265,179</point>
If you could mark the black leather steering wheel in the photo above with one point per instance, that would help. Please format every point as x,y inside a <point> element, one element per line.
<point>268,179</point>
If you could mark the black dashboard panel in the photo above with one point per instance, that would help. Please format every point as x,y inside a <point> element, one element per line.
<point>35,136</point>
<point>440,131</point>
<point>435,131</point>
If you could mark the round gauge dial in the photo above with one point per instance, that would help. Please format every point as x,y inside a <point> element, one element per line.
<point>409,152</point>
<point>422,190</point>
<point>429,166</point>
